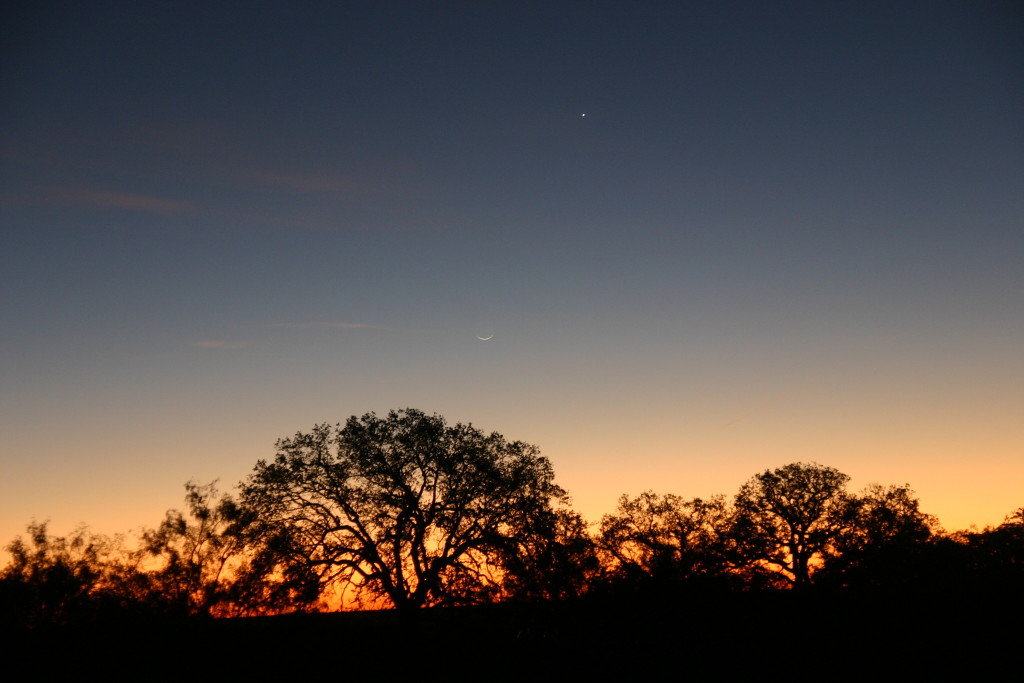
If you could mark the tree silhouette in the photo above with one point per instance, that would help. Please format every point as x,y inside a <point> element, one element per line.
<point>665,538</point>
<point>554,559</point>
<point>58,580</point>
<point>195,550</point>
<point>883,541</point>
<point>790,517</point>
<point>210,562</point>
<point>997,555</point>
<point>403,508</point>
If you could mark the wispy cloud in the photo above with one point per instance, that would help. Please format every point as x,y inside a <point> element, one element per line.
<point>334,325</point>
<point>111,199</point>
<point>219,344</point>
<point>318,183</point>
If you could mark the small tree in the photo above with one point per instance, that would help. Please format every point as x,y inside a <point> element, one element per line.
<point>57,580</point>
<point>997,556</point>
<point>661,538</point>
<point>194,549</point>
<point>554,560</point>
<point>403,508</point>
<point>211,563</point>
<point>882,542</point>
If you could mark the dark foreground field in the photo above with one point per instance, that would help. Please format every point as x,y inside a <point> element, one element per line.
<point>797,637</point>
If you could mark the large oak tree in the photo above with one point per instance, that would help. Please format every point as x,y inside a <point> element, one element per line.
<point>403,508</point>
<point>790,518</point>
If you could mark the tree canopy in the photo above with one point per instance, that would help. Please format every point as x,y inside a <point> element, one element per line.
<point>211,560</point>
<point>54,579</point>
<point>403,508</point>
<point>789,517</point>
<point>665,538</point>
<point>408,511</point>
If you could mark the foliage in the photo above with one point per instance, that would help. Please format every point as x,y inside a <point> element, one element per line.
<point>209,563</point>
<point>193,551</point>
<point>665,538</point>
<point>403,508</point>
<point>554,560</point>
<point>886,533</point>
<point>887,515</point>
<point>408,511</point>
<point>997,554</point>
<point>791,517</point>
<point>57,580</point>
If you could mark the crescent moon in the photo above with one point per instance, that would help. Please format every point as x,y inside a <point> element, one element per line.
<point>484,338</point>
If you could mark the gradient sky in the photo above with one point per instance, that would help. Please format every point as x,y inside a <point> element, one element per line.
<point>785,231</point>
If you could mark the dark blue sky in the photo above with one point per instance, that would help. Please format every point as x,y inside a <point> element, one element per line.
<point>782,231</point>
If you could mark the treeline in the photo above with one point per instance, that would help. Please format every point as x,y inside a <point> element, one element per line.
<point>406,511</point>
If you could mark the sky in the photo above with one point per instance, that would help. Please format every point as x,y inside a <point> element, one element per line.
<point>708,238</point>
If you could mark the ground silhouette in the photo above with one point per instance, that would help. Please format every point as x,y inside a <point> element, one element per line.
<point>502,579</point>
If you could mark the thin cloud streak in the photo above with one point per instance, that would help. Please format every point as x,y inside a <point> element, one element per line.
<point>329,325</point>
<point>110,199</point>
<point>315,183</point>
<point>220,344</point>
